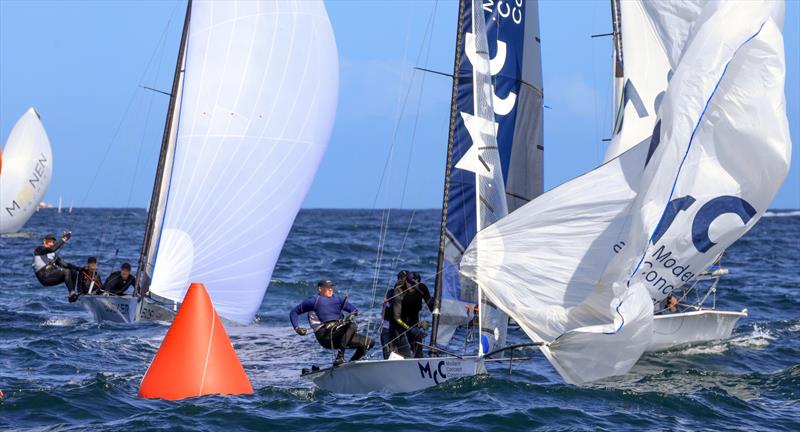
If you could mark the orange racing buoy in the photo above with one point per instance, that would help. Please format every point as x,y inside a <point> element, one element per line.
<point>196,357</point>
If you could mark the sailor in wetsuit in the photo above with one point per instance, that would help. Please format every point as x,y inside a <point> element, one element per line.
<point>414,295</point>
<point>325,315</point>
<point>88,278</point>
<point>393,340</point>
<point>50,269</point>
<point>119,281</point>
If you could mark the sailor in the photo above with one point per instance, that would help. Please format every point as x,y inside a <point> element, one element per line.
<point>50,269</point>
<point>119,281</point>
<point>415,294</point>
<point>333,331</point>
<point>669,305</point>
<point>399,342</point>
<point>89,280</point>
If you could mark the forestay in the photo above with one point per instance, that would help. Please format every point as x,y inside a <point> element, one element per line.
<point>256,111</point>
<point>25,173</point>
<point>579,267</point>
<point>512,67</point>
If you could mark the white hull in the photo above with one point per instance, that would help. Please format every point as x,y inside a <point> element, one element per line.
<point>125,309</point>
<point>692,327</point>
<point>395,376</point>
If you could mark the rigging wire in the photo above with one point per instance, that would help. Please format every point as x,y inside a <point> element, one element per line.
<point>386,214</point>
<point>159,49</point>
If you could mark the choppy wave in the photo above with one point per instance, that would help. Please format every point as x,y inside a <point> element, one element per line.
<point>61,371</point>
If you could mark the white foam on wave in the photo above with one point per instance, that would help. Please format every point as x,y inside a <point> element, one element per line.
<point>714,349</point>
<point>782,213</point>
<point>60,322</point>
<point>759,338</point>
<point>19,234</point>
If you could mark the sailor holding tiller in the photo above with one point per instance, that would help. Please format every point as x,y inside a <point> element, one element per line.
<point>50,269</point>
<point>333,331</point>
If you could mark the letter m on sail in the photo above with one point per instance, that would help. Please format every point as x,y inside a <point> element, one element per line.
<point>14,206</point>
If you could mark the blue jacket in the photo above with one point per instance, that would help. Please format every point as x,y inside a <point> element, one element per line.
<point>321,309</point>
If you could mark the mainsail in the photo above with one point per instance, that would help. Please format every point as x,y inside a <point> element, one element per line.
<point>497,65</point>
<point>254,112</point>
<point>579,267</point>
<point>27,168</point>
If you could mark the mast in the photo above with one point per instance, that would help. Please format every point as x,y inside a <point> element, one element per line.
<point>616,97</point>
<point>142,285</point>
<point>437,297</point>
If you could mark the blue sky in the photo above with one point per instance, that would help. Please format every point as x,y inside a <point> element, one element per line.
<point>81,64</point>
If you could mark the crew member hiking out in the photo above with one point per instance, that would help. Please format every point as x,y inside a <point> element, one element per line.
<point>119,281</point>
<point>333,331</point>
<point>414,295</point>
<point>50,269</point>
<point>89,281</point>
<point>393,340</point>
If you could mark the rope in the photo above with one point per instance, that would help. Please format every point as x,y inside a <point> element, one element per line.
<point>133,98</point>
<point>386,213</point>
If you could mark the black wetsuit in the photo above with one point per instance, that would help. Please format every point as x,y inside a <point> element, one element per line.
<point>85,279</point>
<point>397,327</point>
<point>51,270</point>
<point>116,285</point>
<point>392,340</point>
<point>412,305</point>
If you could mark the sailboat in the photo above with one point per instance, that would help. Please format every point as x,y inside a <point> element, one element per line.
<point>643,32</point>
<point>251,111</point>
<point>580,267</point>
<point>26,168</point>
<point>494,166</point>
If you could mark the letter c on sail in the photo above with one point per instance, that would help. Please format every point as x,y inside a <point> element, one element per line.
<point>495,64</point>
<point>711,211</point>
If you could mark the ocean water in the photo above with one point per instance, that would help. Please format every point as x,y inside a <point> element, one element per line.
<point>61,371</point>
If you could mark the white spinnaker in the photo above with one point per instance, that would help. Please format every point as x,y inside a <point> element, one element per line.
<point>27,168</point>
<point>258,105</point>
<point>561,265</point>
<point>654,34</point>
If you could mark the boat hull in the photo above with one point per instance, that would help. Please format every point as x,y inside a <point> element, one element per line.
<point>125,309</point>
<point>122,309</point>
<point>395,376</point>
<point>673,330</point>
